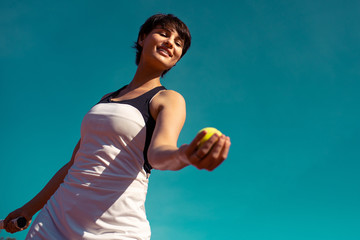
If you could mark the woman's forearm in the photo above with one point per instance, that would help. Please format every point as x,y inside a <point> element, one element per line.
<point>167,157</point>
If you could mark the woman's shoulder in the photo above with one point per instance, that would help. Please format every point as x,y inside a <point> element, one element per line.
<point>167,100</point>
<point>168,95</point>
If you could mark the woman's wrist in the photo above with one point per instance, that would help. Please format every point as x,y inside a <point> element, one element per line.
<point>182,156</point>
<point>28,211</point>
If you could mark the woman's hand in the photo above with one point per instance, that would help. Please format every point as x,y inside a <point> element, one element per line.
<point>209,155</point>
<point>9,225</point>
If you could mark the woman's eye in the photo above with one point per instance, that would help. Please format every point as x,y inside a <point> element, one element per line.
<point>163,34</point>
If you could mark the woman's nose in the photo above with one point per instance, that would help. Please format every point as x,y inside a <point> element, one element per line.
<point>168,44</point>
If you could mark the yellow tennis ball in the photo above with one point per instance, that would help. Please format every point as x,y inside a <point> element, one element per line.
<point>209,132</point>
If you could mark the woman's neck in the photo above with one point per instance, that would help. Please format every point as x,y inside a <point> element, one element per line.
<point>145,77</point>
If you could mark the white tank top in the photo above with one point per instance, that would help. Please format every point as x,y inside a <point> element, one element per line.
<point>104,193</point>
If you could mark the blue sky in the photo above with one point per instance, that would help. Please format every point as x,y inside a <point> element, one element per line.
<point>281,78</point>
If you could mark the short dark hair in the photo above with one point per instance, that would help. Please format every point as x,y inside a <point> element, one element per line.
<point>165,21</point>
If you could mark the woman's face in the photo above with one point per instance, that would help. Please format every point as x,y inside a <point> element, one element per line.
<point>162,48</point>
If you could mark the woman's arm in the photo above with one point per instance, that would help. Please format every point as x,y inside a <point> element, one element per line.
<point>169,110</point>
<point>35,204</point>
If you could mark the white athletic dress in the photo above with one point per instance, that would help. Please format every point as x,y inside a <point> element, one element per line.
<point>103,194</point>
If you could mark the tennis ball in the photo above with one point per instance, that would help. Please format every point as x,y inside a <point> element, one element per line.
<point>209,132</point>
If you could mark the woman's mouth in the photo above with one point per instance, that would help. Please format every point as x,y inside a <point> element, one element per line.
<point>164,51</point>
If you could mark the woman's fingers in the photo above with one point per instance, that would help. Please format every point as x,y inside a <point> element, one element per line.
<point>212,153</point>
<point>214,157</point>
<point>201,152</point>
<point>225,151</point>
<point>9,223</point>
<point>220,154</point>
<point>192,147</point>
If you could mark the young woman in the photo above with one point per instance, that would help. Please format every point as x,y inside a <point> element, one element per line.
<point>100,193</point>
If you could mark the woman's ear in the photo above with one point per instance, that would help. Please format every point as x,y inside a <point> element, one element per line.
<point>141,40</point>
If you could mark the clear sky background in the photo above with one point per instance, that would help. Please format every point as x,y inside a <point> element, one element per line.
<point>282,78</point>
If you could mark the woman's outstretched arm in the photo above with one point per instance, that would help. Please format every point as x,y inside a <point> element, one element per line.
<point>169,110</point>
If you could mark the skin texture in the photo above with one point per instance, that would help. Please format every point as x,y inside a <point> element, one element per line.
<point>162,49</point>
